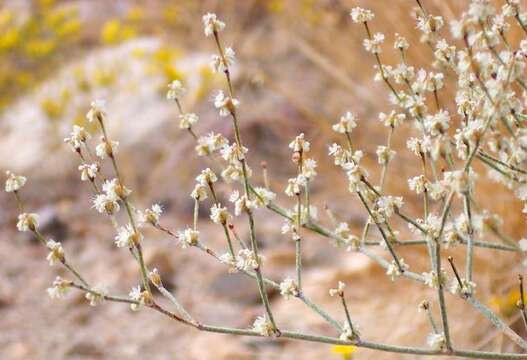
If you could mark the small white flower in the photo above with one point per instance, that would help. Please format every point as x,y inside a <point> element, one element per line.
<point>241,203</point>
<point>347,334</point>
<point>115,189</point>
<point>418,184</point>
<point>127,236</point>
<point>393,270</point>
<point>175,90</point>
<point>400,42</point>
<point>263,326</point>
<point>187,120</point>
<point>288,288</point>
<point>219,64</point>
<point>436,341</point>
<point>142,297</point>
<point>27,222</point>
<point>97,110</point>
<point>360,15</point>
<point>300,145</point>
<point>14,182</point>
<point>374,45</point>
<point>392,119</point>
<point>206,177</point>
<point>346,123</point>
<point>88,171</point>
<point>105,149</point>
<point>97,296</point>
<point>246,260</point>
<point>339,290</point>
<point>188,237</point>
<point>212,24</point>
<point>309,168</point>
<point>77,137</point>
<point>105,204</point>
<point>468,287</point>
<point>384,154</point>
<point>295,185</point>
<point>58,288</point>
<point>152,215</point>
<point>199,193</point>
<point>432,280</point>
<point>225,104</point>
<point>219,214</point>
<point>264,196</point>
<point>56,252</point>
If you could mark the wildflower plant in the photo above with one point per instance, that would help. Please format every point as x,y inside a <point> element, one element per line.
<point>487,126</point>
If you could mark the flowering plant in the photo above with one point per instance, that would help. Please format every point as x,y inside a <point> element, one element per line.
<point>488,127</point>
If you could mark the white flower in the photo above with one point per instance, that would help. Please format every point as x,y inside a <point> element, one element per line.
<point>207,177</point>
<point>175,90</point>
<point>436,341</point>
<point>468,287</point>
<point>210,143</point>
<point>347,334</point>
<point>219,214</point>
<point>88,171</point>
<point>241,203</point>
<point>115,189</point>
<point>212,24</point>
<point>77,137</point>
<point>56,252</point>
<point>246,260</point>
<point>288,288</point>
<point>360,15</point>
<point>392,119</point>
<point>105,204</point>
<point>346,123</point>
<point>523,244</point>
<point>152,215</point>
<point>14,182</point>
<point>432,280</point>
<point>264,196</point>
<point>97,110</point>
<point>199,193</point>
<point>188,237</point>
<point>97,296</point>
<point>418,184</point>
<point>142,297</point>
<point>106,149</point>
<point>294,185</point>
<point>58,288</point>
<point>219,64</point>
<point>384,154</point>
<point>309,168</point>
<point>300,145</point>
<point>388,205</point>
<point>187,120</point>
<point>339,290</point>
<point>127,236</point>
<point>263,326</point>
<point>393,270</point>
<point>225,104</point>
<point>27,222</point>
<point>374,45</point>
<point>400,42</point>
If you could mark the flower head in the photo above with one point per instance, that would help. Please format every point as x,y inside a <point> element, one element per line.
<point>58,288</point>
<point>127,236</point>
<point>14,182</point>
<point>263,326</point>
<point>360,15</point>
<point>56,252</point>
<point>288,288</point>
<point>212,24</point>
<point>27,222</point>
<point>346,123</point>
<point>187,120</point>
<point>97,110</point>
<point>225,104</point>
<point>188,237</point>
<point>175,90</point>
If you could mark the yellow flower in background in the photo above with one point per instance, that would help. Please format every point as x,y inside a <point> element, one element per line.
<point>275,6</point>
<point>114,32</point>
<point>39,47</point>
<point>506,304</point>
<point>9,39</point>
<point>345,351</point>
<point>136,14</point>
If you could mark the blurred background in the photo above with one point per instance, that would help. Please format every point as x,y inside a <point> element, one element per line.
<point>300,66</point>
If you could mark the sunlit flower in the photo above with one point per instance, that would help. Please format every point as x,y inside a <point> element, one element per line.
<point>212,24</point>
<point>175,90</point>
<point>97,110</point>
<point>14,182</point>
<point>27,222</point>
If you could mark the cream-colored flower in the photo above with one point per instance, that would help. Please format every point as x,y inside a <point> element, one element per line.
<point>288,288</point>
<point>56,252</point>
<point>58,288</point>
<point>212,24</point>
<point>175,90</point>
<point>219,214</point>
<point>27,222</point>
<point>188,237</point>
<point>360,15</point>
<point>97,110</point>
<point>339,290</point>
<point>88,171</point>
<point>14,182</point>
<point>263,326</point>
<point>187,120</point>
<point>225,104</point>
<point>346,123</point>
